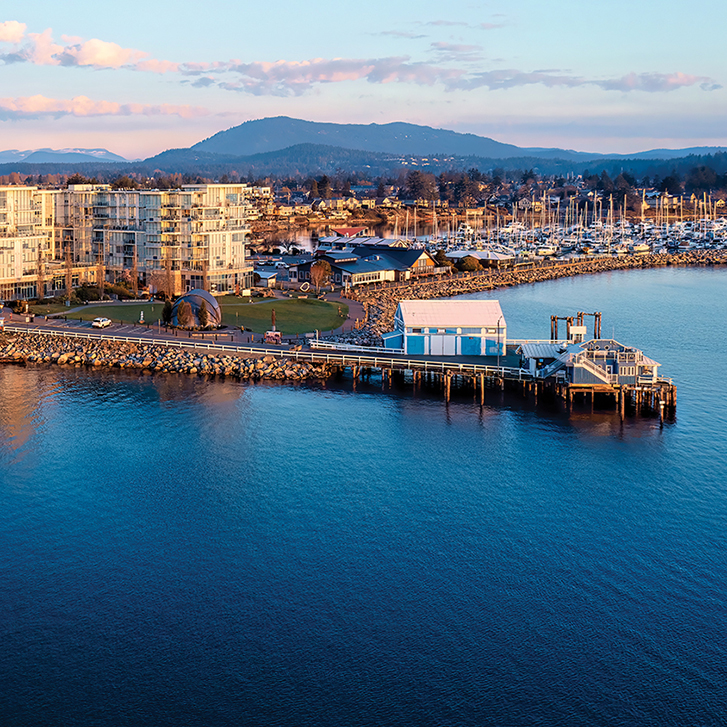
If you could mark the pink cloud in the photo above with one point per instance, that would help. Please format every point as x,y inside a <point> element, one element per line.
<point>11,31</point>
<point>30,107</point>
<point>41,50</point>
<point>99,54</point>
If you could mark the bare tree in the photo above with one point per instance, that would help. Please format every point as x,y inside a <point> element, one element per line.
<point>184,314</point>
<point>320,273</point>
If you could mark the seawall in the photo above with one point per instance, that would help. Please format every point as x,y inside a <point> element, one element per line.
<point>30,347</point>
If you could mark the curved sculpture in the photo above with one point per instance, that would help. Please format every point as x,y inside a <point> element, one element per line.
<point>195,298</point>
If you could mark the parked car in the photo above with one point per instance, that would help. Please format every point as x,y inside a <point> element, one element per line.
<point>100,323</point>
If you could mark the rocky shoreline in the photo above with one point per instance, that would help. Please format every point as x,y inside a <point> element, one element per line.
<point>381,303</point>
<point>40,348</point>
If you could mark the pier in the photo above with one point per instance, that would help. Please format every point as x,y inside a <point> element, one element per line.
<point>562,379</point>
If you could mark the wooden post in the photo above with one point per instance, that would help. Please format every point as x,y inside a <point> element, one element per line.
<point>621,404</point>
<point>482,389</point>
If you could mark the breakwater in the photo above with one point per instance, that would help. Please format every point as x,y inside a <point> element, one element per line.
<point>40,348</point>
<point>380,302</point>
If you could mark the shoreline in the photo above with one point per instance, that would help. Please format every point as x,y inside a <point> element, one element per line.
<point>380,303</point>
<point>40,348</point>
<point>380,306</point>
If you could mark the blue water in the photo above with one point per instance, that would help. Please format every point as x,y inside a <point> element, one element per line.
<point>189,551</point>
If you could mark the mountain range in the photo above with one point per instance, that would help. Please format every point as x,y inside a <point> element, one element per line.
<point>293,147</point>
<point>59,156</point>
<point>281,132</point>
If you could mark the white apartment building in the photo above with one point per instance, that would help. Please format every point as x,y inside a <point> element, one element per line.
<point>26,241</point>
<point>179,239</point>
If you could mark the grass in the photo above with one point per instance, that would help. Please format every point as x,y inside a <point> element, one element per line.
<point>301,315</point>
<point>46,308</point>
<point>292,315</point>
<point>125,313</point>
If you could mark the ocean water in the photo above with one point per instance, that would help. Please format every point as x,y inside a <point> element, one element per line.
<point>192,551</point>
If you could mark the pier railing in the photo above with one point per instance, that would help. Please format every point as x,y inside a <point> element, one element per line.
<point>339,359</point>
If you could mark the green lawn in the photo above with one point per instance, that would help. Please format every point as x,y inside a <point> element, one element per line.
<point>127,313</point>
<point>293,316</point>
<point>46,308</point>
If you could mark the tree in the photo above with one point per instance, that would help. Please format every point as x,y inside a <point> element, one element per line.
<point>605,183</point>
<point>324,187</point>
<point>76,179</point>
<point>442,260</point>
<point>671,184</point>
<point>167,312</point>
<point>421,185</point>
<point>203,315</point>
<point>124,183</point>
<point>320,273</point>
<point>469,264</point>
<point>184,314</point>
<point>701,179</point>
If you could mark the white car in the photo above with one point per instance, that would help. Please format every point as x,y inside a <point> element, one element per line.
<point>100,323</point>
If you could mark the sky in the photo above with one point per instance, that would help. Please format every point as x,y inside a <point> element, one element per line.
<point>138,77</point>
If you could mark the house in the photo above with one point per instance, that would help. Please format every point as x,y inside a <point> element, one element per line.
<point>268,278</point>
<point>449,328</point>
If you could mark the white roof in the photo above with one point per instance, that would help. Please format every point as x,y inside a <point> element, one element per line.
<point>544,350</point>
<point>479,254</point>
<point>451,313</point>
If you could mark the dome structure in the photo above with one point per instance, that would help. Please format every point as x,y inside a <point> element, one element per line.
<point>195,298</point>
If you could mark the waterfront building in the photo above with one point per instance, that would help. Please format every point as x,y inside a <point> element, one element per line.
<point>367,263</point>
<point>449,328</point>
<point>593,363</point>
<point>173,240</point>
<point>26,240</point>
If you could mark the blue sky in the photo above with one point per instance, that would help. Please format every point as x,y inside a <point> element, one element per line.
<point>139,77</point>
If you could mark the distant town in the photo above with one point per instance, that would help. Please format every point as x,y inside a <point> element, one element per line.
<point>170,234</point>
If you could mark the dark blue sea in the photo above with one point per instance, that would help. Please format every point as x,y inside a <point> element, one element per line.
<point>196,551</point>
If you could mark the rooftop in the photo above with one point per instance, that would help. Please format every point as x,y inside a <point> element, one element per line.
<point>451,313</point>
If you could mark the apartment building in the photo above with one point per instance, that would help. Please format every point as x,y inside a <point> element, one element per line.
<point>173,240</point>
<point>26,241</point>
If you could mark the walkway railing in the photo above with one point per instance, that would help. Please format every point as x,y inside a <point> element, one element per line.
<point>339,359</point>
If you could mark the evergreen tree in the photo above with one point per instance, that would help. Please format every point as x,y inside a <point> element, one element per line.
<point>203,315</point>
<point>167,312</point>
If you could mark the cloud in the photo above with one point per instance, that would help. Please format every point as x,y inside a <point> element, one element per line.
<point>11,31</point>
<point>455,48</point>
<point>36,107</point>
<point>401,34</point>
<point>646,82</point>
<point>41,50</point>
<point>283,78</point>
<point>456,52</point>
<point>99,54</point>
<point>446,23</point>
<point>657,82</point>
<point>490,26</point>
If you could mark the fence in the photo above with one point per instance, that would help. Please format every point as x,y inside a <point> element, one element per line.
<point>340,359</point>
